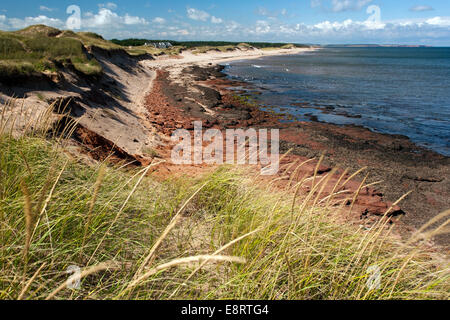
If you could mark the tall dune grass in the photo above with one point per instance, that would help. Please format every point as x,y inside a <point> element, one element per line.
<point>22,54</point>
<point>221,236</point>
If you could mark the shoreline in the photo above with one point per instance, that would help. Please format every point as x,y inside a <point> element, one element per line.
<point>325,110</point>
<point>200,91</point>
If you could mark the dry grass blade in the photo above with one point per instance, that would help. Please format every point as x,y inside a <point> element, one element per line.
<point>25,289</point>
<point>47,201</point>
<point>214,254</point>
<point>280,159</point>
<point>49,197</point>
<point>419,232</point>
<point>183,261</point>
<point>28,220</point>
<point>45,188</point>
<point>94,269</point>
<point>357,194</point>
<point>144,173</point>
<point>97,185</point>
<point>26,162</point>
<point>296,172</point>
<point>149,259</point>
<point>316,170</point>
<point>369,238</point>
<point>407,261</point>
<point>352,176</point>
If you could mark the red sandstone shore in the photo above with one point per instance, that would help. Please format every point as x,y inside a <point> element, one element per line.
<point>204,94</point>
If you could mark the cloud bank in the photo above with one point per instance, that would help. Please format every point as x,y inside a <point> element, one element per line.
<point>340,5</point>
<point>200,24</point>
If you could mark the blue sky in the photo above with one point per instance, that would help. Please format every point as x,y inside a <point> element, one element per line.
<point>300,21</point>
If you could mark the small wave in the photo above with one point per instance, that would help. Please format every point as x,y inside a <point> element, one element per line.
<point>256,66</point>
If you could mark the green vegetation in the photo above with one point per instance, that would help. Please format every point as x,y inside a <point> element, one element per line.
<point>39,29</point>
<point>197,44</point>
<point>141,50</point>
<point>135,237</point>
<point>40,48</point>
<point>90,39</point>
<point>141,46</point>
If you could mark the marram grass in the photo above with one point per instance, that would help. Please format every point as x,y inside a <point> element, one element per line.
<point>221,236</point>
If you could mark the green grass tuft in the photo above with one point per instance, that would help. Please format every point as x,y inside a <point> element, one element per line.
<point>38,49</point>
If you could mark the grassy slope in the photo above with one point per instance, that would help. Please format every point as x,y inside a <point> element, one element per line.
<point>72,213</point>
<point>196,44</point>
<point>39,49</point>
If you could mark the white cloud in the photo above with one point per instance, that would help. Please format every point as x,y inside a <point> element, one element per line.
<point>340,5</point>
<point>415,31</point>
<point>159,20</point>
<point>131,20</point>
<point>216,20</point>
<point>197,15</point>
<point>439,21</point>
<point>107,18</point>
<point>232,26</point>
<point>421,8</point>
<point>44,8</point>
<point>406,31</point>
<point>109,5</point>
<point>15,23</point>
<point>262,11</point>
<point>262,27</point>
<point>183,32</point>
<point>2,22</point>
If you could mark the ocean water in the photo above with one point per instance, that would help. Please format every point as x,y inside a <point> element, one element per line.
<point>402,91</point>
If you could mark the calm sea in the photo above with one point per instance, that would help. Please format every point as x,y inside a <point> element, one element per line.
<point>391,90</point>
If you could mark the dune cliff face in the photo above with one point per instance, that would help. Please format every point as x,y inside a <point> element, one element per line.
<point>108,107</point>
